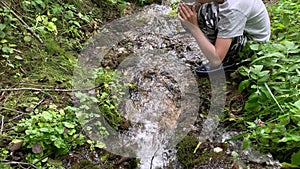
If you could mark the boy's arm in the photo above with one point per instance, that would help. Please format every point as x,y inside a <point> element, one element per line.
<point>214,53</point>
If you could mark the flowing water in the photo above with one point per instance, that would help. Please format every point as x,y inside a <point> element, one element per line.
<point>153,51</point>
<point>165,103</point>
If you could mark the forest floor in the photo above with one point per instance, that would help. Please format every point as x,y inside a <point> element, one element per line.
<point>42,76</point>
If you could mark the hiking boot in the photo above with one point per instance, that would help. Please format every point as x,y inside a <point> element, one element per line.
<point>205,70</point>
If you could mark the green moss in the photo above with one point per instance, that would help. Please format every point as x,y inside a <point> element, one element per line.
<point>53,48</point>
<point>204,156</point>
<point>185,151</point>
<point>85,164</point>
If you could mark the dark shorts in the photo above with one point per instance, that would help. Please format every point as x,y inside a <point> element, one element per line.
<point>208,20</point>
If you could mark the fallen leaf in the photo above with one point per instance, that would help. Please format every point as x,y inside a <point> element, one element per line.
<point>16,146</point>
<point>37,148</point>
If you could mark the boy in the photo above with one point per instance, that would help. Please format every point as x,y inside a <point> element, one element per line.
<point>222,27</point>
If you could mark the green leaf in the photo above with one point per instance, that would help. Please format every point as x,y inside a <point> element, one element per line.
<point>69,125</point>
<point>235,155</point>
<point>11,65</point>
<point>253,97</point>
<point>252,106</point>
<point>40,2</point>
<point>285,19</point>
<point>280,47</point>
<point>263,79</point>
<point>254,47</point>
<point>5,56</point>
<point>76,23</point>
<point>58,143</point>
<point>296,119</point>
<point>272,55</point>
<point>100,144</point>
<point>244,71</point>
<point>46,115</point>
<point>288,165</point>
<point>45,160</point>
<point>18,57</point>
<point>71,131</point>
<point>264,92</point>
<point>297,104</point>
<point>90,142</point>
<point>289,45</point>
<point>284,119</point>
<point>6,49</point>
<point>2,35</point>
<point>296,158</point>
<point>3,40</point>
<point>51,26</point>
<point>256,69</point>
<point>264,73</point>
<point>2,26</point>
<point>290,138</point>
<point>251,125</point>
<point>12,45</point>
<point>113,1</point>
<point>246,143</point>
<point>44,129</point>
<point>243,85</point>
<point>60,129</point>
<point>27,38</point>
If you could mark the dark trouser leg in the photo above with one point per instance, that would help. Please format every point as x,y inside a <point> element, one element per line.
<point>236,47</point>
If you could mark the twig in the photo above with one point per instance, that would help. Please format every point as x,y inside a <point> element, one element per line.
<point>5,108</point>
<point>151,163</point>
<point>18,163</point>
<point>22,21</point>
<point>21,113</point>
<point>17,117</point>
<point>34,85</point>
<point>50,90</point>
<point>18,51</point>
<point>38,104</point>
<point>2,124</point>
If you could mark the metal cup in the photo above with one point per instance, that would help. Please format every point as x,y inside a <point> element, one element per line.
<point>190,3</point>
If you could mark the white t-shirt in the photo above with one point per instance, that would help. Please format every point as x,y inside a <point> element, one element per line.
<point>239,16</point>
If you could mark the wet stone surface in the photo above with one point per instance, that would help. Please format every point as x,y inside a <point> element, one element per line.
<point>154,53</point>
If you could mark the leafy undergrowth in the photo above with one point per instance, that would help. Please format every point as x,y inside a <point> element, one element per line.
<point>39,44</point>
<point>271,84</point>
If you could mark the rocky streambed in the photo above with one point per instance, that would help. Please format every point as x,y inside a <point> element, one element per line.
<point>169,108</point>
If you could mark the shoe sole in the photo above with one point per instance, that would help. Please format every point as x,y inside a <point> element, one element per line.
<point>206,73</point>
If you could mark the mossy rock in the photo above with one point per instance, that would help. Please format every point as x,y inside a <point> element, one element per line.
<point>185,151</point>
<point>85,164</point>
<point>204,157</point>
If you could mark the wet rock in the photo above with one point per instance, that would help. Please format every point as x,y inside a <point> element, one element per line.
<point>85,164</point>
<point>203,156</point>
<point>158,54</point>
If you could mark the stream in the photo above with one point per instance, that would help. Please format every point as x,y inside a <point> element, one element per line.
<point>153,51</point>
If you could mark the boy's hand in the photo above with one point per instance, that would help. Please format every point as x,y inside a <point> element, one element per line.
<point>187,14</point>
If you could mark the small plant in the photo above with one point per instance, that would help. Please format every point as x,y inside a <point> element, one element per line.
<point>8,56</point>
<point>272,83</point>
<point>100,111</point>
<point>110,92</point>
<point>49,131</point>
